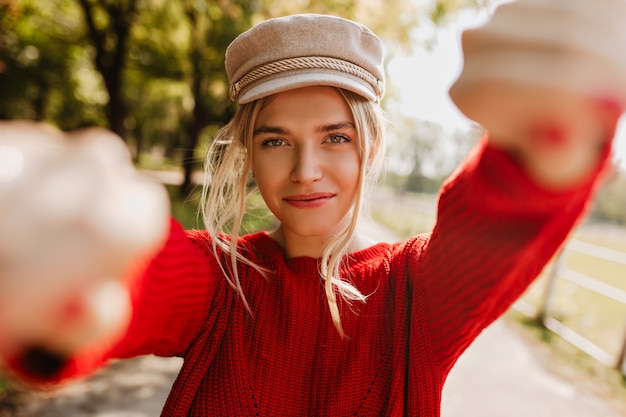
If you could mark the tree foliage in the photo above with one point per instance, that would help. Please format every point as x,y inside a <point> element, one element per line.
<point>422,154</point>
<point>108,25</point>
<point>40,60</point>
<point>441,9</point>
<point>152,70</point>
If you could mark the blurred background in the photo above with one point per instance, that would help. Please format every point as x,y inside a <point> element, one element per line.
<point>152,71</point>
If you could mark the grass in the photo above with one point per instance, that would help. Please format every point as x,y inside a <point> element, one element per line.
<point>408,215</point>
<point>4,387</point>
<point>185,210</point>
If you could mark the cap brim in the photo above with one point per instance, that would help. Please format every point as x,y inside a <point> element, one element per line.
<point>290,81</point>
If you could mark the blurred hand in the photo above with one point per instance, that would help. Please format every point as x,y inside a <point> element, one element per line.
<point>557,136</point>
<point>547,81</point>
<point>76,221</point>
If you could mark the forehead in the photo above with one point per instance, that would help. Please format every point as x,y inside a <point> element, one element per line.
<point>304,106</point>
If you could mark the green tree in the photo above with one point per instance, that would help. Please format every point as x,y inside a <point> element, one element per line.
<point>109,24</point>
<point>152,70</point>
<point>38,58</point>
<point>212,26</point>
<point>155,88</point>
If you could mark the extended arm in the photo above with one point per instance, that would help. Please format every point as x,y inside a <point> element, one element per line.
<point>92,267</point>
<point>498,225</point>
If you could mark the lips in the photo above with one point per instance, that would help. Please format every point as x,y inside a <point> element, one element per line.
<point>312,200</point>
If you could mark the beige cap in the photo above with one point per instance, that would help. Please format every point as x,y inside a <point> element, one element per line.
<point>302,50</point>
<point>576,45</point>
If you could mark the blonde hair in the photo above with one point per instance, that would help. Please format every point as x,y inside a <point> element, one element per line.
<point>229,167</point>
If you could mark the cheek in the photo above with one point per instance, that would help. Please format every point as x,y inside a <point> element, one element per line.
<point>268,188</point>
<point>347,169</point>
<point>264,179</point>
<point>268,173</point>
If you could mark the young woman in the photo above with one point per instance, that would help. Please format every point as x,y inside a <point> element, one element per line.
<point>313,318</point>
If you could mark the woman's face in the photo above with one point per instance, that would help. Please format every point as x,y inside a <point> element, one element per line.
<point>306,161</point>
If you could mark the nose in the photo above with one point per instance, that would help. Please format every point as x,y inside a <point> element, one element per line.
<point>307,166</point>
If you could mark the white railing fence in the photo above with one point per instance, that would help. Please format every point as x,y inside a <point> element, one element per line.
<point>559,271</point>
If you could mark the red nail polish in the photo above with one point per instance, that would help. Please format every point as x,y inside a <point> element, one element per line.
<point>72,311</point>
<point>611,104</point>
<point>549,134</point>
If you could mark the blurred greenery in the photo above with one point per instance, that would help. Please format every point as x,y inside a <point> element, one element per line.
<point>153,70</point>
<point>409,215</point>
<point>185,209</point>
<point>610,204</point>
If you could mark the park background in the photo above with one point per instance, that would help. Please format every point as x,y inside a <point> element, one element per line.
<point>152,71</point>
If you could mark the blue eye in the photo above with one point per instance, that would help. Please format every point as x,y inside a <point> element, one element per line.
<point>336,139</point>
<point>272,143</point>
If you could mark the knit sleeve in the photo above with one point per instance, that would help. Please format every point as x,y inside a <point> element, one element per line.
<point>495,232</point>
<point>171,299</point>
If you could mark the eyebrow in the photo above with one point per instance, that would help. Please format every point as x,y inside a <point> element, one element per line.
<point>269,129</point>
<point>324,128</point>
<point>336,126</point>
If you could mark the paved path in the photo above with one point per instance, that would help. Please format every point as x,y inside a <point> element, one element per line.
<point>499,375</point>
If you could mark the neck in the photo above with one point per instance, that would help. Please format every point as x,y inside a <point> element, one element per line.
<point>298,246</point>
<point>312,246</point>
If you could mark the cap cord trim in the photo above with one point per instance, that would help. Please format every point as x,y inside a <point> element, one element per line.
<point>317,62</point>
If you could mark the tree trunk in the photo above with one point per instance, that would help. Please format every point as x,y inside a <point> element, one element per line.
<point>194,127</point>
<point>117,111</point>
<point>109,61</point>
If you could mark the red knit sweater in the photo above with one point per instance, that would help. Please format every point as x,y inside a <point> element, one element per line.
<point>429,297</point>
